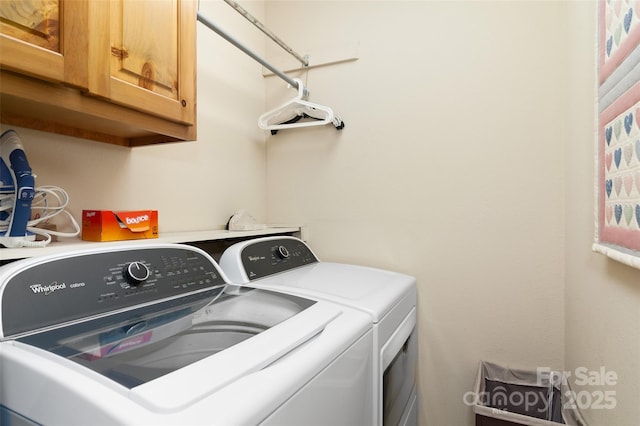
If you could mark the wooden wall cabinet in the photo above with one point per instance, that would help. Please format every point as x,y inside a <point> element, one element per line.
<point>119,71</point>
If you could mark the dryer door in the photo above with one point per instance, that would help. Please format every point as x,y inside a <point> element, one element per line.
<point>398,380</point>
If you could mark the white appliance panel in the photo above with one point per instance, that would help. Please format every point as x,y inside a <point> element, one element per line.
<point>288,265</point>
<point>298,359</point>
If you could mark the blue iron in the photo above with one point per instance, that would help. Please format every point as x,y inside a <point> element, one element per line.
<point>17,190</point>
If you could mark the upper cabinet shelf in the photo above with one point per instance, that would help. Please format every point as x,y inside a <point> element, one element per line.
<point>121,71</point>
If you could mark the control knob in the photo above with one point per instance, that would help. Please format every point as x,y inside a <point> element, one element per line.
<point>135,273</point>
<point>283,253</point>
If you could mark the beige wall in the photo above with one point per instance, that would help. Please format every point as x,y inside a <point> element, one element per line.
<point>467,161</point>
<point>450,168</point>
<point>602,297</point>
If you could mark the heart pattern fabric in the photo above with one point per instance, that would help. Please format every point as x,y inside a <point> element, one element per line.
<point>622,170</point>
<point>618,149</point>
<point>621,19</point>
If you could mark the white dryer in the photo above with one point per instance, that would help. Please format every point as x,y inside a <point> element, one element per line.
<point>287,264</point>
<point>149,335</point>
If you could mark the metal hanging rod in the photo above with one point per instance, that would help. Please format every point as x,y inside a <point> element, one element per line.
<point>246,50</point>
<point>304,60</point>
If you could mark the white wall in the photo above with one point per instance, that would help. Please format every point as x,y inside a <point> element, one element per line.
<point>450,168</point>
<point>194,185</point>
<point>602,297</point>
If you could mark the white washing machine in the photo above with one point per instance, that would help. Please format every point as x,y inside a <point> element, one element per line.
<point>287,264</point>
<point>149,335</point>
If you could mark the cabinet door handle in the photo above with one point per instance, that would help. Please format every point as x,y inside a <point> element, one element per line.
<point>120,53</point>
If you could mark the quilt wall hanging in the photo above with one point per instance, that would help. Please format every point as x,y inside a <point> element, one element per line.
<point>618,145</point>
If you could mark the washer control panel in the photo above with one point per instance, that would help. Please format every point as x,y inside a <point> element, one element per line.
<point>84,285</point>
<point>267,257</point>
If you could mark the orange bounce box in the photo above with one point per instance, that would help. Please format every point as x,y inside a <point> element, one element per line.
<point>107,225</point>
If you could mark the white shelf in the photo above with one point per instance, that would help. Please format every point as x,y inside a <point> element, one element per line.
<point>169,237</point>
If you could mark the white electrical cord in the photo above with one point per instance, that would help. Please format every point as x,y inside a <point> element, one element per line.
<point>48,202</point>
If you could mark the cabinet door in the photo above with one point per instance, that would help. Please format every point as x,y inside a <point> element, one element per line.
<point>150,55</point>
<point>45,39</point>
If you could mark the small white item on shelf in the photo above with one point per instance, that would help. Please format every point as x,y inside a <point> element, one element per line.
<point>243,221</point>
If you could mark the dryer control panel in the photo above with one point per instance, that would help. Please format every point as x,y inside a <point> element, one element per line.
<point>271,256</point>
<point>39,294</point>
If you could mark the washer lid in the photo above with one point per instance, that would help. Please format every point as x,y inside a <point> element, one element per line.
<point>321,321</point>
<point>374,291</point>
<point>135,347</point>
<point>314,338</point>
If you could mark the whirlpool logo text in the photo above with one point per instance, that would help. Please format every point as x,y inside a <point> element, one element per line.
<point>47,289</point>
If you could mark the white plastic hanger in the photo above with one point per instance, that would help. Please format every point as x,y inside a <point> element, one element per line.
<point>300,108</point>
